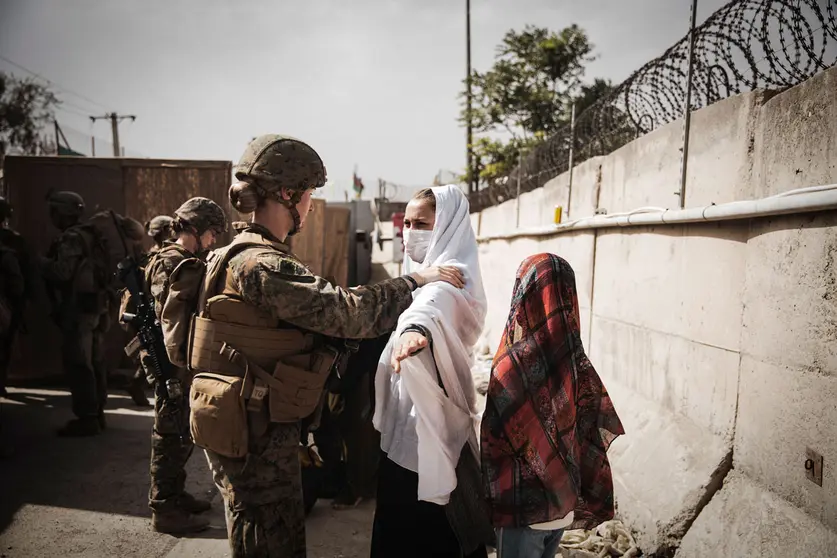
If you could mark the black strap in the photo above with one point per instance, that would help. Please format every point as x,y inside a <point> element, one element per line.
<point>413,282</point>
<point>426,333</point>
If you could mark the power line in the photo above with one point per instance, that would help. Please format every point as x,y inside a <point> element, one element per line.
<point>63,104</point>
<point>55,85</point>
<point>69,110</point>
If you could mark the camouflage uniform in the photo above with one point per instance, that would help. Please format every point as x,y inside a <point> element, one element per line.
<point>158,228</point>
<point>16,289</point>
<point>262,492</point>
<point>11,291</point>
<point>83,317</point>
<point>169,453</point>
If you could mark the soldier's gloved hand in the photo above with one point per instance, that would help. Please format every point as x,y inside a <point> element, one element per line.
<point>446,273</point>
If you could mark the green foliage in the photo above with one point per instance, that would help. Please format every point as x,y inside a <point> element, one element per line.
<point>25,107</point>
<point>527,94</point>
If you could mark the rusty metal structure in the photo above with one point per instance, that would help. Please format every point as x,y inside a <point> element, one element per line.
<point>745,45</point>
<point>137,188</point>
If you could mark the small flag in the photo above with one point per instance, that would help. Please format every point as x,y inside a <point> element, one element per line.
<point>357,184</point>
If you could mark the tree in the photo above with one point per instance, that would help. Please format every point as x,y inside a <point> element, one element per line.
<point>25,107</point>
<point>528,93</point>
<point>589,94</point>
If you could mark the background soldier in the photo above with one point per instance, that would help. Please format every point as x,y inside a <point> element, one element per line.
<point>17,286</point>
<point>159,229</point>
<point>79,278</point>
<point>348,443</point>
<point>11,294</point>
<point>196,224</point>
<point>80,314</point>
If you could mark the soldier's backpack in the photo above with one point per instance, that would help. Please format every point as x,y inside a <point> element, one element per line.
<point>116,237</point>
<point>108,239</point>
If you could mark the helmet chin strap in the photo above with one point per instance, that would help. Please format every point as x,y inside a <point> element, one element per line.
<point>297,220</point>
<point>199,245</point>
<point>289,204</point>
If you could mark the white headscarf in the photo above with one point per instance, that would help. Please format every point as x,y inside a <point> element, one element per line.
<point>421,429</point>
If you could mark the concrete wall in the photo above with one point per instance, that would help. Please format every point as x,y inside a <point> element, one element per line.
<point>716,341</point>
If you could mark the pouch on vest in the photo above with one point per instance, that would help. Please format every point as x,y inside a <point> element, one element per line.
<point>295,387</point>
<point>181,303</point>
<point>301,379</point>
<point>218,417</point>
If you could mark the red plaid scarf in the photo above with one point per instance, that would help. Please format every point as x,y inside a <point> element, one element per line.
<point>548,420</point>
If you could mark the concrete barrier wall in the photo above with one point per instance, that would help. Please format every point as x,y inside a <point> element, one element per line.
<point>716,341</point>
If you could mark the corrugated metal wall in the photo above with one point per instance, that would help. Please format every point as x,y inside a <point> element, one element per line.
<point>138,188</point>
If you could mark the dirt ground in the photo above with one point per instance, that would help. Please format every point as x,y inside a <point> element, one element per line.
<point>88,497</point>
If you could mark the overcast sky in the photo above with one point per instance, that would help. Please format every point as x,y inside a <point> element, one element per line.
<point>371,83</point>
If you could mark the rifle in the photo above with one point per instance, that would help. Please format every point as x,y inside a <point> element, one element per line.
<point>150,337</point>
<point>149,332</point>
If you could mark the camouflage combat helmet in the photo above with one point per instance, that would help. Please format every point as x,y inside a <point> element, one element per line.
<point>5,209</point>
<point>66,204</point>
<point>272,162</point>
<point>202,214</point>
<point>159,226</point>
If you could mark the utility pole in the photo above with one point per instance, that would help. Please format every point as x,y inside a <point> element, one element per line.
<point>115,119</point>
<point>571,162</point>
<point>687,120</point>
<point>472,180</point>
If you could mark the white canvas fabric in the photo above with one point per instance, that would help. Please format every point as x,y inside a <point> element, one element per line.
<point>421,429</point>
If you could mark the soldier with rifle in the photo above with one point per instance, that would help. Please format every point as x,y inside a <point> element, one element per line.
<point>196,225</point>
<point>159,229</point>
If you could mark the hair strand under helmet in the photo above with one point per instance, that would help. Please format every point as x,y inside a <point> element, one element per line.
<point>273,162</point>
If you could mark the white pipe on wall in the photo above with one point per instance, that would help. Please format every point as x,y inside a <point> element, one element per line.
<point>803,200</point>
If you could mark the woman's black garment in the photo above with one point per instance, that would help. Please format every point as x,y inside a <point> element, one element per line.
<point>405,527</point>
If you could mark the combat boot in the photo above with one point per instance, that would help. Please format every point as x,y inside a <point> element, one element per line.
<point>177,522</point>
<point>136,390</point>
<point>189,503</point>
<point>87,426</point>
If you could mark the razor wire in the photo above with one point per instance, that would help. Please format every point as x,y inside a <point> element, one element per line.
<point>744,46</point>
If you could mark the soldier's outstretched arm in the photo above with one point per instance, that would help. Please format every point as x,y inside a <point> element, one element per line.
<point>292,294</point>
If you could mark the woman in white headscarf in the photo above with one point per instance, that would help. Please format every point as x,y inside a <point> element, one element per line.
<point>425,401</point>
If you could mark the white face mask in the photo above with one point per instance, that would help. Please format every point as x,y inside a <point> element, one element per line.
<point>416,244</point>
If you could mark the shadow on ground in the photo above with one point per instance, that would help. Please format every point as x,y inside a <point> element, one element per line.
<point>88,496</point>
<point>48,480</point>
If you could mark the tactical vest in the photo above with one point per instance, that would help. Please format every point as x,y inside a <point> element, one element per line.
<point>232,338</point>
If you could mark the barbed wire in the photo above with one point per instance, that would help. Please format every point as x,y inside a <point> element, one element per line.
<point>745,45</point>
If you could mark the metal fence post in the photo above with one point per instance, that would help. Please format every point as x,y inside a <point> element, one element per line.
<point>687,122</point>
<point>572,146</point>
